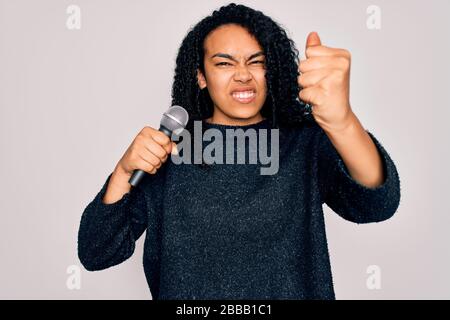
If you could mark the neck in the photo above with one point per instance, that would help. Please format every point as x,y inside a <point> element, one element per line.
<point>220,118</point>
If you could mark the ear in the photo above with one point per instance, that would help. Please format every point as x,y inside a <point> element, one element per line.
<point>201,79</point>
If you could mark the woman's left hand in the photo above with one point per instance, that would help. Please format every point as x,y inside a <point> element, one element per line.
<point>325,79</point>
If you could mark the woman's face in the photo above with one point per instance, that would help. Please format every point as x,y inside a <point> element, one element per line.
<point>234,75</point>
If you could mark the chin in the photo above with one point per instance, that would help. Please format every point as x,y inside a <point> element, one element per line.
<point>244,112</point>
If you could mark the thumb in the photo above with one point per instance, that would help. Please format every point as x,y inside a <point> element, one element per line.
<point>174,150</point>
<point>313,40</point>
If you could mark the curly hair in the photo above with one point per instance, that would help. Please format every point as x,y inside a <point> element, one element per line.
<point>282,106</point>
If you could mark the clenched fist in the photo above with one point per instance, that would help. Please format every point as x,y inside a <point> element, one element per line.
<point>149,150</point>
<point>325,79</point>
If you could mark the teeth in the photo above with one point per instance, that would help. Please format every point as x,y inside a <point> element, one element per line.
<point>243,95</point>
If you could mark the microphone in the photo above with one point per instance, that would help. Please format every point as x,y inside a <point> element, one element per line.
<point>175,120</point>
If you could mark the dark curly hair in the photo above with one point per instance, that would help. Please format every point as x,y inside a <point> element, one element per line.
<point>282,106</point>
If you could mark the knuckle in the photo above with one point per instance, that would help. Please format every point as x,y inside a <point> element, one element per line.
<point>145,130</point>
<point>163,156</point>
<point>161,138</point>
<point>303,66</point>
<point>165,139</point>
<point>344,62</point>
<point>156,161</point>
<point>302,80</point>
<point>157,152</point>
<point>153,162</point>
<point>149,168</point>
<point>140,139</point>
<point>308,51</point>
<point>347,53</point>
<point>303,95</point>
<point>148,132</point>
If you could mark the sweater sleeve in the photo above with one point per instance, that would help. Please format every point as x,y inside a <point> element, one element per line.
<point>108,232</point>
<point>350,199</point>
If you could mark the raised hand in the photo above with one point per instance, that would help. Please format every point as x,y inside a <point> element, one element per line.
<point>325,79</point>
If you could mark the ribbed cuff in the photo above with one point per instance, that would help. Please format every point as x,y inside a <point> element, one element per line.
<point>382,201</point>
<point>110,207</point>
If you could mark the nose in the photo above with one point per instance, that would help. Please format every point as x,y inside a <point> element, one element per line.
<point>242,74</point>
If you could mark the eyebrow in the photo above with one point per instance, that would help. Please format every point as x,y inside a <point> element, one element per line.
<point>227,56</point>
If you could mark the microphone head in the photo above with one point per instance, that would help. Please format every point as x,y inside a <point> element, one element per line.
<point>175,119</point>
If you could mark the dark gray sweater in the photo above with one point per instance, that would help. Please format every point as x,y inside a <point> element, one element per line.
<point>227,232</point>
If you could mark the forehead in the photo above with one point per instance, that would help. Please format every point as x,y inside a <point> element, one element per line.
<point>232,39</point>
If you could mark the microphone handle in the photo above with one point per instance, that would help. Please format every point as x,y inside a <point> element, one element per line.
<point>138,175</point>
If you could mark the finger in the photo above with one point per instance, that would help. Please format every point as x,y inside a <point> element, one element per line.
<point>311,95</point>
<point>150,158</point>
<point>161,138</point>
<point>313,39</point>
<point>311,78</point>
<point>174,148</point>
<point>145,165</point>
<point>168,147</point>
<point>323,51</point>
<point>315,63</point>
<point>154,147</point>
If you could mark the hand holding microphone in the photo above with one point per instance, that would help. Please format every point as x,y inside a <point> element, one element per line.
<point>173,120</point>
<point>146,154</point>
<point>148,151</point>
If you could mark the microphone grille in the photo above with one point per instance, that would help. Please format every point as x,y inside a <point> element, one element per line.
<point>175,119</point>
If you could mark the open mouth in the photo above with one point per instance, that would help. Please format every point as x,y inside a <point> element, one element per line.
<point>244,96</point>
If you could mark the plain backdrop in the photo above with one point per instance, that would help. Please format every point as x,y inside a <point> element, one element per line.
<point>71,101</point>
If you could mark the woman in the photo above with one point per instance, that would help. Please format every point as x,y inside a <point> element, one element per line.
<point>226,231</point>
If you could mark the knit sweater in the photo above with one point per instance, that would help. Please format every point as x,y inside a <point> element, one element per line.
<point>229,232</point>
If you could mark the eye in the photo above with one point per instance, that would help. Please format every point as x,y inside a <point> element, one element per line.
<point>228,64</point>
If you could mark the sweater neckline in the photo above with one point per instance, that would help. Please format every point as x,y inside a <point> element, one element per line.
<point>265,123</point>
